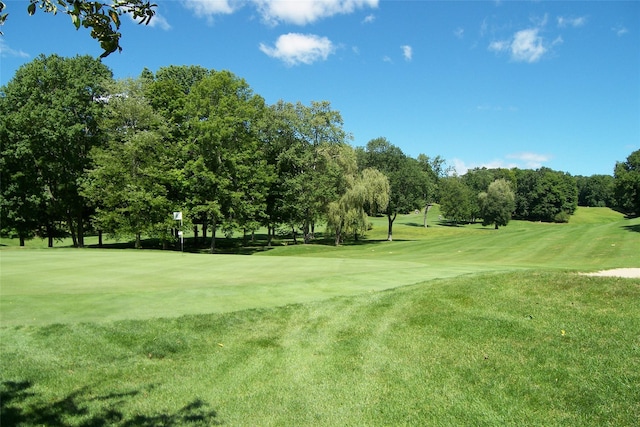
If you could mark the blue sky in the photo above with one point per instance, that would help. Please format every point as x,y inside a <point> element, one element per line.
<point>480,83</point>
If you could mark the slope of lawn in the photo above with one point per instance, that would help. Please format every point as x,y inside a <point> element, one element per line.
<point>68,285</point>
<point>443,326</point>
<point>524,348</point>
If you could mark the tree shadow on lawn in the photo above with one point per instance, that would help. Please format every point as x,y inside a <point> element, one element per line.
<point>83,408</point>
<point>635,228</point>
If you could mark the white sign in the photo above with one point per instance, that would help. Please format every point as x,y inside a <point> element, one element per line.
<point>177,216</point>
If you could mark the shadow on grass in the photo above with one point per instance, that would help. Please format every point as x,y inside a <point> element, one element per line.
<point>83,408</point>
<point>635,228</point>
<point>235,246</point>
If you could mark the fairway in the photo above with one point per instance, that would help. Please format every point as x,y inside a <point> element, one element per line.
<point>68,285</point>
<point>443,326</point>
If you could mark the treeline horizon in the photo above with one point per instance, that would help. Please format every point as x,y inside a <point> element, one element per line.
<point>82,152</point>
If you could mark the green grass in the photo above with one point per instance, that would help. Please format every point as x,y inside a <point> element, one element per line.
<point>443,326</point>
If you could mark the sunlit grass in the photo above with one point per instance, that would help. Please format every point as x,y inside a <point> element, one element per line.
<point>444,326</point>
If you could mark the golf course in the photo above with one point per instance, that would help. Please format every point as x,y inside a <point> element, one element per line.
<point>443,326</point>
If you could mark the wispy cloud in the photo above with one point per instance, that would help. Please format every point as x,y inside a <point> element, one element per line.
<point>369,19</point>
<point>525,46</point>
<point>209,8</point>
<point>525,160</point>
<point>6,51</point>
<point>274,12</point>
<point>459,32</point>
<point>407,52</point>
<point>620,30</point>
<point>306,12</point>
<point>159,21</point>
<point>564,22</point>
<point>530,160</point>
<point>295,48</point>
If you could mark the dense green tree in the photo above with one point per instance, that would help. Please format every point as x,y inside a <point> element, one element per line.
<point>455,200</point>
<point>478,181</point>
<point>545,195</point>
<point>131,177</point>
<point>409,182</point>
<point>226,171</point>
<point>103,18</point>
<point>497,203</point>
<point>22,192</point>
<point>309,149</point>
<point>595,190</point>
<point>627,184</point>
<point>51,110</point>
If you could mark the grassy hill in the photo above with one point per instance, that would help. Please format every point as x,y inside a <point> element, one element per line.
<point>443,326</point>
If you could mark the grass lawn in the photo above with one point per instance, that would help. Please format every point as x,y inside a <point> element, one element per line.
<point>443,326</point>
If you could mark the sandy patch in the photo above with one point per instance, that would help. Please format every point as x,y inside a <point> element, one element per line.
<point>632,273</point>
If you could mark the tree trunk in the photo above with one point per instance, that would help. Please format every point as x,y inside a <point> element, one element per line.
<point>49,235</point>
<point>21,240</point>
<point>205,225</point>
<point>293,231</point>
<point>390,219</point>
<point>72,229</point>
<point>496,226</point>
<point>269,235</point>
<point>213,237</point>
<point>99,238</point>
<point>305,232</point>
<point>80,228</point>
<point>195,235</point>
<point>138,241</point>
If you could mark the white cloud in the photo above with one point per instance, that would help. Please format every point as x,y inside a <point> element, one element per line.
<point>307,11</point>
<point>571,22</point>
<point>459,32</point>
<point>295,48</point>
<point>407,52</point>
<point>387,59</point>
<point>620,30</point>
<point>526,160</point>
<point>369,19</point>
<point>159,21</point>
<point>208,8</point>
<point>525,46</point>
<point>6,51</point>
<point>530,160</point>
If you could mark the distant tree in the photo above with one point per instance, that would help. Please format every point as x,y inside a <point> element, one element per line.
<point>545,195</point>
<point>497,203</point>
<point>22,191</point>
<point>409,182</point>
<point>50,118</point>
<point>595,190</point>
<point>308,147</point>
<point>478,181</point>
<point>226,172</point>
<point>130,180</point>
<point>627,183</point>
<point>103,18</point>
<point>347,215</point>
<point>455,200</point>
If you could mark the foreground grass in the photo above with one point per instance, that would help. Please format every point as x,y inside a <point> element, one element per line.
<point>63,285</point>
<point>529,348</point>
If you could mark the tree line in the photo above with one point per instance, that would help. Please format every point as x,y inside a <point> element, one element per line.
<point>84,153</point>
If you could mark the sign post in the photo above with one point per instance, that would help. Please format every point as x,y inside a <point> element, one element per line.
<point>177,216</point>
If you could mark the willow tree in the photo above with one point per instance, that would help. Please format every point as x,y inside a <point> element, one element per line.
<point>348,215</point>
